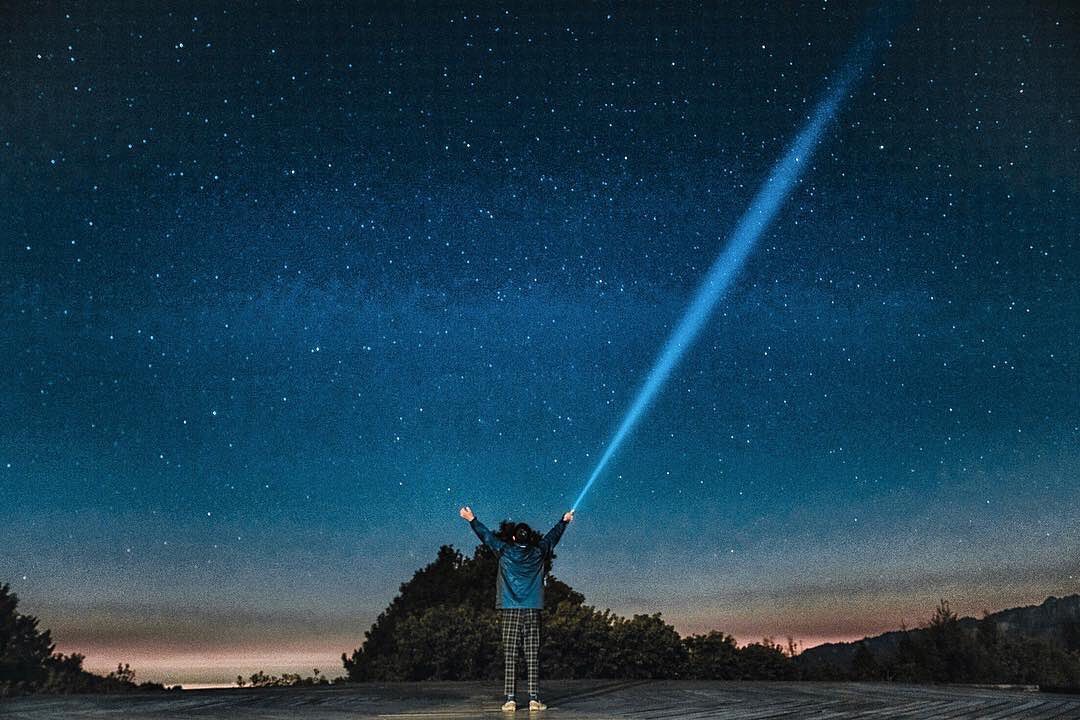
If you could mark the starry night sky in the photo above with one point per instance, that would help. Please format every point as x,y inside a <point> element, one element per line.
<point>285,284</point>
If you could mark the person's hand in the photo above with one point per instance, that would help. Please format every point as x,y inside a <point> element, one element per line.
<point>568,516</point>
<point>467,513</point>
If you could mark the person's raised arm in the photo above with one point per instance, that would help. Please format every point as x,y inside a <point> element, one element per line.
<point>548,543</point>
<point>486,536</point>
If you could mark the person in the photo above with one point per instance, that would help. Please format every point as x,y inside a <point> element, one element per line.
<point>519,596</point>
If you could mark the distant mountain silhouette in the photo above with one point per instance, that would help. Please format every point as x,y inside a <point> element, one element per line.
<point>1056,621</point>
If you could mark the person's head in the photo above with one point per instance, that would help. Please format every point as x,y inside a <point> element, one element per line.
<point>520,533</point>
<point>523,534</point>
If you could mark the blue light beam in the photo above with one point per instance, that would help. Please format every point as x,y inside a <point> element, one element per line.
<point>751,225</point>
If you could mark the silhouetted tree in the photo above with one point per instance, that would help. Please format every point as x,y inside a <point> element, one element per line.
<point>1071,636</point>
<point>913,661</point>
<point>261,680</point>
<point>765,661</point>
<point>576,639</point>
<point>1033,661</point>
<point>450,580</point>
<point>28,664</point>
<point>24,650</point>
<point>713,656</point>
<point>644,647</point>
<point>447,643</point>
<point>864,665</point>
<point>954,653</point>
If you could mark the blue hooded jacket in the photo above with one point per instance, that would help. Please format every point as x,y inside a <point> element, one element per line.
<point>520,583</point>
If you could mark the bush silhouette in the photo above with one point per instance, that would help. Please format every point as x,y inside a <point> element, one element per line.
<point>28,664</point>
<point>765,660</point>
<point>575,640</point>
<point>260,680</point>
<point>25,651</point>
<point>447,643</point>
<point>713,656</point>
<point>442,625</point>
<point>644,647</point>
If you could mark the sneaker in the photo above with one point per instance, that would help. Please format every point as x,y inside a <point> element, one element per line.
<point>537,705</point>
<point>509,706</point>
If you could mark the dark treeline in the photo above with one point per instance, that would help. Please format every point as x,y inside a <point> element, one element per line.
<point>442,625</point>
<point>260,680</point>
<point>948,650</point>
<point>28,663</point>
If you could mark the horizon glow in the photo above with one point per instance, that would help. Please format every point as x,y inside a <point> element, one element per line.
<point>757,218</point>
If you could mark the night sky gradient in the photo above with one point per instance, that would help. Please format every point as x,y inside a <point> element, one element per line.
<point>285,284</point>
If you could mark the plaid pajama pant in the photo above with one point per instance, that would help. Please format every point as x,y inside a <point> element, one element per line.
<point>520,624</point>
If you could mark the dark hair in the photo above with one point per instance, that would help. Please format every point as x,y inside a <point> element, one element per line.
<point>519,533</point>
<point>523,534</point>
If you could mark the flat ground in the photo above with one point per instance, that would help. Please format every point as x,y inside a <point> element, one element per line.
<point>567,700</point>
